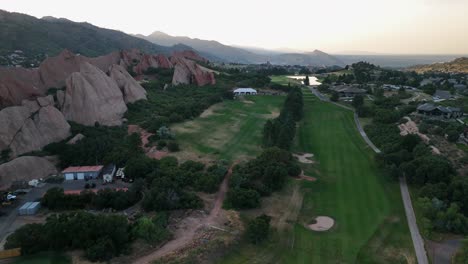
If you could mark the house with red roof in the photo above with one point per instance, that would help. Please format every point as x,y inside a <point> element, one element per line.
<point>82,172</point>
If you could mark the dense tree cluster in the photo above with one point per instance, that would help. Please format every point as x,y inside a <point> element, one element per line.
<point>260,177</point>
<point>280,132</point>
<point>364,72</point>
<point>258,229</point>
<point>441,192</point>
<point>100,236</point>
<point>101,145</point>
<point>55,199</point>
<point>170,185</point>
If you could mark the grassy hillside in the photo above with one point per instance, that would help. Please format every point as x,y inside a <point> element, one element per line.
<point>370,221</point>
<point>50,36</point>
<point>459,65</point>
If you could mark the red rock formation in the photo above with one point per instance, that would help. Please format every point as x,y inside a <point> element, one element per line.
<point>189,54</point>
<point>25,169</point>
<point>154,61</point>
<point>31,126</point>
<point>54,70</point>
<point>131,90</point>
<point>188,72</point>
<point>17,84</point>
<point>91,96</point>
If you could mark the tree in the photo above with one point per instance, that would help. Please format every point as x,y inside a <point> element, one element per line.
<point>452,135</point>
<point>173,146</point>
<point>241,198</point>
<point>462,254</point>
<point>306,80</point>
<point>334,97</point>
<point>358,101</point>
<point>149,230</point>
<point>258,229</point>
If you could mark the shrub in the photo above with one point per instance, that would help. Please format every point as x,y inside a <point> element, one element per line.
<point>173,146</point>
<point>258,229</point>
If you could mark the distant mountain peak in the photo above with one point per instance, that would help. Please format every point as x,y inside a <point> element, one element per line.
<point>159,34</point>
<point>55,19</point>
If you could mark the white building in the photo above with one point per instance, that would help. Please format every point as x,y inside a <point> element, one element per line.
<point>245,91</point>
<point>81,173</point>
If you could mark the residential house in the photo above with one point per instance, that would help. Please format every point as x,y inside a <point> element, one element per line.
<point>448,112</point>
<point>348,91</point>
<point>442,95</point>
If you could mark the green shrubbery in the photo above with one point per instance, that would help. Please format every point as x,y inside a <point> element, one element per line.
<point>101,236</point>
<point>260,177</point>
<point>280,132</point>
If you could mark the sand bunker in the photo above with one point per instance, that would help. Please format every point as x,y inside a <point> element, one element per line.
<point>305,157</point>
<point>323,223</point>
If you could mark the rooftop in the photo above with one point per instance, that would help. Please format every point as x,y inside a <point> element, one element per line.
<point>245,90</point>
<point>83,169</point>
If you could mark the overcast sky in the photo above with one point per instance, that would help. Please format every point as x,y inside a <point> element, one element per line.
<point>381,26</point>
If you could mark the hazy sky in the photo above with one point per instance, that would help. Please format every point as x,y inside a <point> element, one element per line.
<point>384,26</point>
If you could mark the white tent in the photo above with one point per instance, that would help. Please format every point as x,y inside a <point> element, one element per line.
<point>245,91</point>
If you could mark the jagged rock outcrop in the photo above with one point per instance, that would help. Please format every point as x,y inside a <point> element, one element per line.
<point>24,169</point>
<point>131,89</point>
<point>188,72</point>
<point>54,70</point>
<point>31,126</point>
<point>154,61</point>
<point>91,96</point>
<point>17,84</point>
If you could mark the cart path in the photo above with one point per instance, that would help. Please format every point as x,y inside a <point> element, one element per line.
<point>418,241</point>
<point>187,235</point>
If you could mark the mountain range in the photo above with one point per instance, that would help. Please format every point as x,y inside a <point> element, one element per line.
<point>251,55</point>
<point>51,35</point>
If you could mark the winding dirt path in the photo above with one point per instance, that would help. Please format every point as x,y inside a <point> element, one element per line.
<point>183,236</point>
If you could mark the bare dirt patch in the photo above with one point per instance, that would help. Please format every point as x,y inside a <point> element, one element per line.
<point>211,110</point>
<point>323,223</point>
<point>193,227</point>
<point>304,157</point>
<point>410,127</point>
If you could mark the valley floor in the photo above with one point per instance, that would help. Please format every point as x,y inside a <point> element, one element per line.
<point>370,222</point>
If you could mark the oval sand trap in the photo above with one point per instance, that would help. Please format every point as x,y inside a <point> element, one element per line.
<point>323,223</point>
<point>305,157</point>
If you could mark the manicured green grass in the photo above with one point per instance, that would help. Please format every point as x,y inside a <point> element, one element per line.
<point>370,223</point>
<point>231,130</point>
<point>44,258</point>
<point>284,80</point>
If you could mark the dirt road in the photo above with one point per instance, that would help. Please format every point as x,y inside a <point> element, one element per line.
<point>183,236</point>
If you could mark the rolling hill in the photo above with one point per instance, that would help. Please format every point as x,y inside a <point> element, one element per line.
<point>459,65</point>
<point>228,53</point>
<point>51,35</point>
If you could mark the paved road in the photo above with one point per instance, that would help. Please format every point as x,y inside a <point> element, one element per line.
<point>418,241</point>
